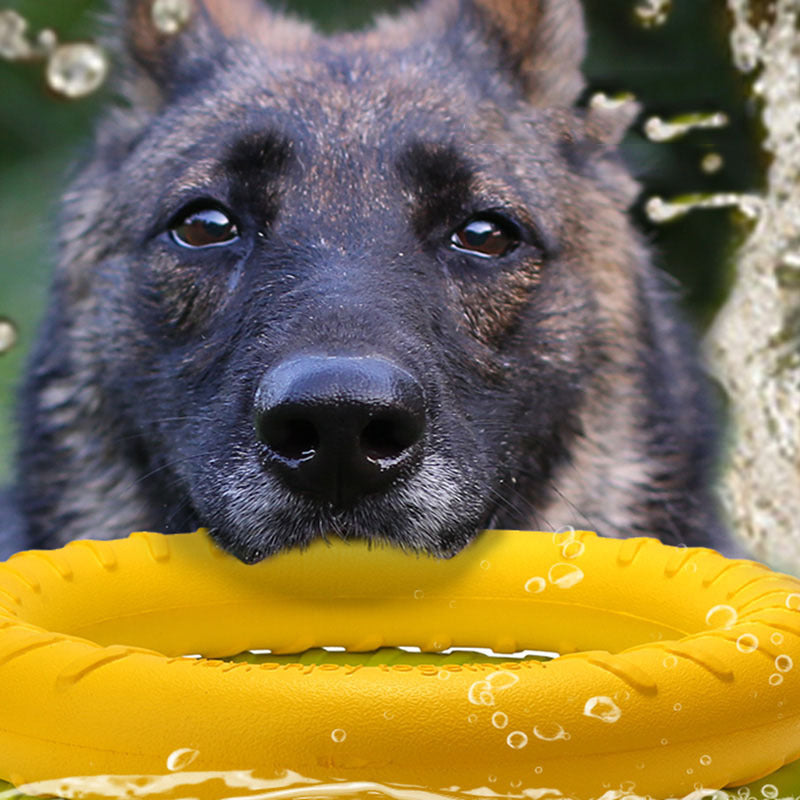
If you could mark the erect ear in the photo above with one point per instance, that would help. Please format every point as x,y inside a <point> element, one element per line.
<point>172,43</point>
<point>542,44</point>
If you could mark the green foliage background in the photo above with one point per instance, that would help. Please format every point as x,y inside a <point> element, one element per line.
<point>682,66</point>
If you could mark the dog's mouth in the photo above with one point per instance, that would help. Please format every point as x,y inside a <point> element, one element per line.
<point>439,527</point>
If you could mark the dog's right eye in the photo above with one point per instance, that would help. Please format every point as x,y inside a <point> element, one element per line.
<point>204,227</point>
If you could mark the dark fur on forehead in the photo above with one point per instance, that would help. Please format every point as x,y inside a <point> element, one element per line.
<point>440,179</point>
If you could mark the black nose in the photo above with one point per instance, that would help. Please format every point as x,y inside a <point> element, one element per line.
<point>340,427</point>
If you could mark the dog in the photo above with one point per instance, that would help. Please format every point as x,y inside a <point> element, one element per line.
<point>379,285</point>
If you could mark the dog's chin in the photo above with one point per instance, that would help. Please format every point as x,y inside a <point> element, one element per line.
<point>286,529</point>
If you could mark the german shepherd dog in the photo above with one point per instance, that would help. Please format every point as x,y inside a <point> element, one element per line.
<point>379,285</point>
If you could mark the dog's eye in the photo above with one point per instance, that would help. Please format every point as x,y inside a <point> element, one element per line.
<point>204,227</point>
<point>486,237</point>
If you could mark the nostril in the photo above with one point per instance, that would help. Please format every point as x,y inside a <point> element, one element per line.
<point>387,438</point>
<point>290,438</point>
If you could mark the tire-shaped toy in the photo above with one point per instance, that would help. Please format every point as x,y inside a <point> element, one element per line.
<point>682,673</point>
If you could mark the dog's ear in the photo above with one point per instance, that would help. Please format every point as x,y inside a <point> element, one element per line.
<point>542,44</point>
<point>169,45</point>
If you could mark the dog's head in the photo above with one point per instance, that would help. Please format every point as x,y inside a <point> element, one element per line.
<point>353,285</point>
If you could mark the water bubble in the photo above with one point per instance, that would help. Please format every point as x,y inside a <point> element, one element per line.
<point>677,707</point>
<point>75,70</point>
<point>793,601</point>
<point>665,741</point>
<point>652,13</point>
<point>171,16</point>
<point>8,335</point>
<point>486,565</point>
<point>481,693</point>
<point>712,163</point>
<point>338,735</point>
<point>517,740</point>
<point>443,675</point>
<point>388,715</point>
<point>783,663</point>
<point>722,617</point>
<point>550,732</point>
<point>472,719</point>
<point>418,594</point>
<point>535,585</point>
<point>13,42</point>
<point>538,770</point>
<point>603,708</point>
<point>705,760</point>
<point>499,719</point>
<point>670,661</point>
<point>564,575</point>
<point>47,41</point>
<point>564,536</point>
<point>776,679</point>
<point>659,130</point>
<point>747,643</point>
<point>573,550</point>
<point>776,638</point>
<point>180,759</point>
<point>769,790</point>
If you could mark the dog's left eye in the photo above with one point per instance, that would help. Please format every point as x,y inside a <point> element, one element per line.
<point>486,237</point>
<point>204,227</point>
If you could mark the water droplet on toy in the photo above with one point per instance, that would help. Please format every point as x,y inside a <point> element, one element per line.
<point>538,770</point>
<point>472,718</point>
<point>770,791</point>
<point>443,675</point>
<point>652,13</point>
<point>776,638</point>
<point>747,643</point>
<point>565,576</point>
<point>722,617</point>
<point>776,679</point>
<point>677,707</point>
<point>550,733</point>
<point>388,715</point>
<point>171,16</point>
<point>485,565</point>
<point>338,735</point>
<point>75,70</point>
<point>793,601</point>
<point>783,663</point>
<point>603,708</point>
<point>564,536</point>
<point>13,42</point>
<point>573,550</point>
<point>499,719</point>
<point>418,594</point>
<point>8,335</point>
<point>670,661</point>
<point>705,760</point>
<point>516,740</point>
<point>535,585</point>
<point>180,759</point>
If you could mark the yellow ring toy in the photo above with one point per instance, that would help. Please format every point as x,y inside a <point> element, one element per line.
<point>684,669</point>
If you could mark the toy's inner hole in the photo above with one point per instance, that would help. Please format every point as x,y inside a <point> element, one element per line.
<point>413,656</point>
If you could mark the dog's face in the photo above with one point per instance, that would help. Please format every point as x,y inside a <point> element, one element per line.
<point>353,286</point>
